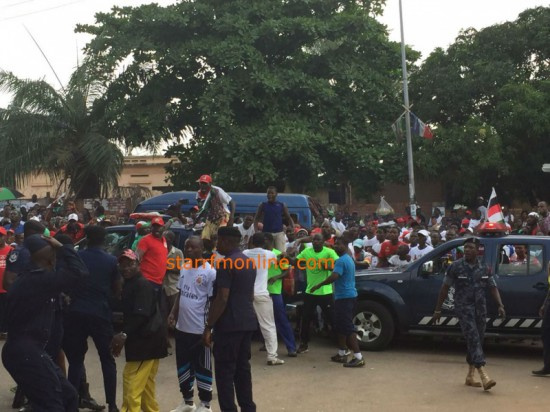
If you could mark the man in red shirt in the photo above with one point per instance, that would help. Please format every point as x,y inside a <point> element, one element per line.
<point>73,229</point>
<point>5,249</point>
<point>389,247</point>
<point>152,251</point>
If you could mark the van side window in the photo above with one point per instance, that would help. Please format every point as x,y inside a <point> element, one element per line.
<point>520,260</point>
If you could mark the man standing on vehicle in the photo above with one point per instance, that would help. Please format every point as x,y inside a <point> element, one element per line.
<point>216,205</point>
<point>470,280</point>
<point>271,214</point>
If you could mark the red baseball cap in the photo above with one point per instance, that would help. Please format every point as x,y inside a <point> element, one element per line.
<point>400,220</point>
<point>195,208</point>
<point>157,221</point>
<point>465,221</point>
<point>128,253</point>
<point>3,231</point>
<point>205,179</point>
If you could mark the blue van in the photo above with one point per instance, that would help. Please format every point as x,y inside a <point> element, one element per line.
<point>302,208</point>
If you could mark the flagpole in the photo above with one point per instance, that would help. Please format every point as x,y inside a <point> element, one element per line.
<point>412,194</point>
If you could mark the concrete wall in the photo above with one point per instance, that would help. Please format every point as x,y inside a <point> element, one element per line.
<point>146,171</point>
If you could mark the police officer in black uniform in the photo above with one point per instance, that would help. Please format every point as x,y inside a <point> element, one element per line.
<point>30,310</point>
<point>232,321</point>
<point>470,279</point>
<point>545,334</point>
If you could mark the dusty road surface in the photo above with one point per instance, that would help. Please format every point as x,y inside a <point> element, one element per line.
<point>413,375</point>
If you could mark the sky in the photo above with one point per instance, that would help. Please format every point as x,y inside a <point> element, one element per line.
<point>428,24</point>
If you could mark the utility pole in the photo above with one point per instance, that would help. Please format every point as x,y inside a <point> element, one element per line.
<point>412,194</point>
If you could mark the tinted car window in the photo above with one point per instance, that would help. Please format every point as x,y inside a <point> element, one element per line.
<point>520,260</point>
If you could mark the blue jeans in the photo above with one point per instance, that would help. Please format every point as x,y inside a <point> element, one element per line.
<point>281,321</point>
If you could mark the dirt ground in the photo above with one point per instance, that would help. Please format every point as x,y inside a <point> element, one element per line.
<point>413,375</point>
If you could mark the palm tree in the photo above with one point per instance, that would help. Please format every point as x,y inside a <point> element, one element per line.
<point>57,132</point>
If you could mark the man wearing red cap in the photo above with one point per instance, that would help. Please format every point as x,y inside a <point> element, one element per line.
<point>216,205</point>
<point>152,251</point>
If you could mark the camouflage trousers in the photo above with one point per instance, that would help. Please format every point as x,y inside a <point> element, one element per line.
<point>472,321</point>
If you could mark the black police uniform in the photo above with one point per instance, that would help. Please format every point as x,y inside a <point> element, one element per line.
<point>546,335</point>
<point>31,306</point>
<point>470,283</point>
<point>233,334</point>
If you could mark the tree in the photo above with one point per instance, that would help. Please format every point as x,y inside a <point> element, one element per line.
<point>294,93</point>
<point>44,130</point>
<point>495,80</point>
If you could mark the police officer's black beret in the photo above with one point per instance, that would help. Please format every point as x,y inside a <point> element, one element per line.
<point>471,239</point>
<point>34,243</point>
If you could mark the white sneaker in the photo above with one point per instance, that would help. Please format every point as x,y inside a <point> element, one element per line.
<point>203,408</point>
<point>276,361</point>
<point>183,407</point>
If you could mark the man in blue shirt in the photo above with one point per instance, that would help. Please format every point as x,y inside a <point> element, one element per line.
<point>345,297</point>
<point>271,214</point>
<point>89,314</point>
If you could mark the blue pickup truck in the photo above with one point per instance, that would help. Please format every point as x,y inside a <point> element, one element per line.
<point>392,302</point>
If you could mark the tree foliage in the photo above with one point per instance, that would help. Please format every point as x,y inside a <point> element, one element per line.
<point>57,132</point>
<point>489,96</point>
<point>297,92</point>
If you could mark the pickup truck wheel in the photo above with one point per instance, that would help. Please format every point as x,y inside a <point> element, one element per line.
<point>374,324</point>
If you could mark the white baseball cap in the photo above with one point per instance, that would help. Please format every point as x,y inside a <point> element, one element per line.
<point>424,233</point>
<point>73,216</point>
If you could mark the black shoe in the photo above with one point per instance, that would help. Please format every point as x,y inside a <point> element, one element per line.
<point>541,372</point>
<point>355,363</point>
<point>26,408</point>
<point>339,358</point>
<point>292,354</point>
<point>303,348</point>
<point>90,403</point>
<point>113,408</point>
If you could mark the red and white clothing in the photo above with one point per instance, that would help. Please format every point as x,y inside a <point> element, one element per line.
<point>155,255</point>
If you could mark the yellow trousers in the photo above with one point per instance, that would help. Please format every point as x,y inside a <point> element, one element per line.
<point>138,387</point>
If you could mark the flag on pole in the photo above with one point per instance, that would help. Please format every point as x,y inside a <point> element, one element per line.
<point>418,127</point>
<point>399,127</point>
<point>494,211</point>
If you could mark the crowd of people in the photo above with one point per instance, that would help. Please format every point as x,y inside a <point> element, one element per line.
<point>237,271</point>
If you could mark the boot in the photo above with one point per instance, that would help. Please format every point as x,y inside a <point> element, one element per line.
<point>86,400</point>
<point>487,382</point>
<point>470,378</point>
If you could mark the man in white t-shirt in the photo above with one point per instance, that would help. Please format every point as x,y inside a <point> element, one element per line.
<point>247,230</point>
<point>401,259</point>
<point>32,203</point>
<point>337,223</point>
<point>423,248</point>
<point>263,305</point>
<point>188,315</point>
